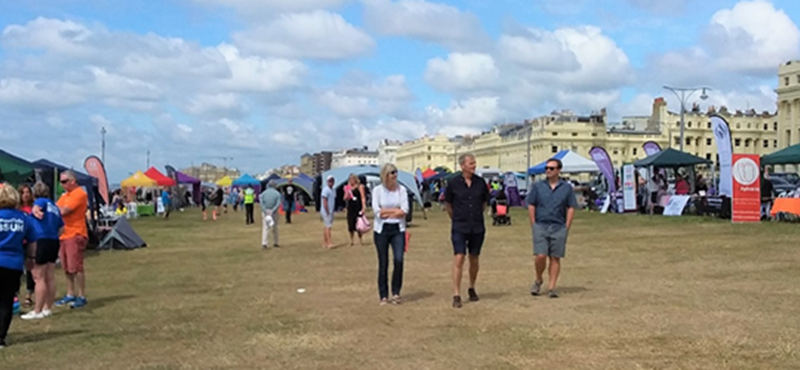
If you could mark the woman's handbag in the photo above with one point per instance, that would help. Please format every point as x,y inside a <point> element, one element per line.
<point>362,224</point>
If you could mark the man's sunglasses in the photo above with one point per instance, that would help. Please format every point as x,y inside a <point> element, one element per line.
<point>551,168</point>
<point>64,181</point>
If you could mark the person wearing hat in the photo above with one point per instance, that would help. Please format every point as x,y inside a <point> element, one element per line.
<point>326,211</point>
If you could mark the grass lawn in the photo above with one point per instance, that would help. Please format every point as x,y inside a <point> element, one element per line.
<point>637,293</point>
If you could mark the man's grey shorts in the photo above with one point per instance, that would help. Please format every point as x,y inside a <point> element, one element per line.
<point>550,240</point>
<point>327,220</point>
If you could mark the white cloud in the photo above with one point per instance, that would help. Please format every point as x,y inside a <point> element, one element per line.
<point>465,116</point>
<point>463,72</point>
<point>216,105</point>
<point>260,74</point>
<point>752,37</point>
<point>318,35</point>
<point>360,96</point>
<point>539,50</point>
<point>424,20</point>
<point>254,9</point>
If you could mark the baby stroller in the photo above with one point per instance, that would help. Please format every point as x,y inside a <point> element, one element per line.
<point>500,213</point>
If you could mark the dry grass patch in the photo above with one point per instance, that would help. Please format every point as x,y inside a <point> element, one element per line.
<point>637,293</point>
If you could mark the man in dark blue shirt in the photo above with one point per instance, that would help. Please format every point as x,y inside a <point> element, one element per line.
<point>466,197</point>
<point>551,207</point>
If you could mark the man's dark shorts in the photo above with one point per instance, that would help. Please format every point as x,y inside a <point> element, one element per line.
<point>467,242</point>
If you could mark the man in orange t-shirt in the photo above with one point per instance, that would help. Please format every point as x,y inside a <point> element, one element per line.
<point>73,205</point>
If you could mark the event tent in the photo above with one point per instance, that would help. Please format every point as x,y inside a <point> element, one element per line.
<point>195,182</point>
<point>245,180</point>
<point>122,237</point>
<point>572,163</point>
<point>15,170</point>
<point>272,176</point>
<point>159,178</point>
<point>341,174</point>
<point>789,155</point>
<point>49,170</point>
<point>138,180</point>
<point>428,173</point>
<point>225,181</point>
<point>671,158</point>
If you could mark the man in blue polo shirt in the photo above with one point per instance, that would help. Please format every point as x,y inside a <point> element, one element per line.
<point>551,207</point>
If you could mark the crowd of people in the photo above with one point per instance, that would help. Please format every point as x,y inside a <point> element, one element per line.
<point>35,233</point>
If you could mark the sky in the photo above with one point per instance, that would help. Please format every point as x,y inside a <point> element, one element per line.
<point>263,81</point>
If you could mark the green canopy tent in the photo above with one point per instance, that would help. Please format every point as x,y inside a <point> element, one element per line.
<point>790,155</point>
<point>671,158</point>
<point>15,170</point>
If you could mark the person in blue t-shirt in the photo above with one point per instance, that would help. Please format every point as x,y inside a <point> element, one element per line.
<point>48,229</point>
<point>166,200</point>
<point>15,226</point>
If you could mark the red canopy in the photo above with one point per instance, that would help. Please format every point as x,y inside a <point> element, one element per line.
<point>159,177</point>
<point>428,173</point>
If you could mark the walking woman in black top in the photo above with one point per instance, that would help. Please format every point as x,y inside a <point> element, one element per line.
<point>355,197</point>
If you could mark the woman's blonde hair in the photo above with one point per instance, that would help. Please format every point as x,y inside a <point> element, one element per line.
<point>353,177</point>
<point>385,171</point>
<point>9,197</point>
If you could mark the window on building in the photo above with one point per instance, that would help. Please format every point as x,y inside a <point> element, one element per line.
<point>708,141</point>
<point>429,158</point>
<point>708,124</point>
<point>774,143</point>
<point>716,158</point>
<point>554,149</point>
<point>616,152</point>
<point>747,143</point>
<point>749,125</point>
<point>555,133</point>
<point>738,126</point>
<point>689,124</point>
<point>798,79</point>
<point>688,141</point>
<point>786,81</point>
<point>738,142</point>
<point>678,124</point>
<point>775,126</point>
<point>708,156</point>
<point>594,134</point>
<point>574,134</point>
<point>677,141</point>
<point>634,151</point>
<point>766,143</point>
<point>429,148</point>
<point>766,126</point>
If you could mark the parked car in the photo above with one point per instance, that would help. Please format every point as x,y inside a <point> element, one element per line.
<point>780,185</point>
<point>789,177</point>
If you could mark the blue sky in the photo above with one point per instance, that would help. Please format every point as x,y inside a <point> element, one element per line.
<point>264,81</point>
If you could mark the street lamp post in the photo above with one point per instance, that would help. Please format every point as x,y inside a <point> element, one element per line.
<point>103,151</point>
<point>684,93</point>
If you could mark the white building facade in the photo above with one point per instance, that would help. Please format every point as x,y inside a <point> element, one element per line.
<point>354,157</point>
<point>387,151</point>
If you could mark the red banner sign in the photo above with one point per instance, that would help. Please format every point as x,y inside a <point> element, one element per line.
<point>746,173</point>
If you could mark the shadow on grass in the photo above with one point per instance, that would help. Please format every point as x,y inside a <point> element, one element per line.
<point>571,289</point>
<point>104,301</point>
<point>41,337</point>
<point>492,295</point>
<point>417,296</point>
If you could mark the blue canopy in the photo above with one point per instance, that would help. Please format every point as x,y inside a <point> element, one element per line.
<point>341,175</point>
<point>572,163</point>
<point>246,180</point>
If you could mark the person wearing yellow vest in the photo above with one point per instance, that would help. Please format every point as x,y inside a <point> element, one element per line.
<point>249,199</point>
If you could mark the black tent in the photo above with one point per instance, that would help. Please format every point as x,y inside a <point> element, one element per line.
<point>15,170</point>
<point>121,237</point>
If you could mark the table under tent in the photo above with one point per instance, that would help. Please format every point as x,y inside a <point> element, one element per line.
<point>787,205</point>
<point>671,161</point>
